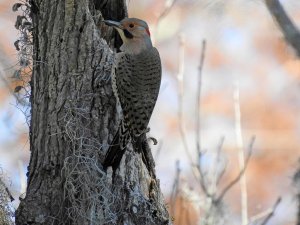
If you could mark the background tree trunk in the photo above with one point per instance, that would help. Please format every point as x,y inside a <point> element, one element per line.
<point>292,36</point>
<point>73,118</point>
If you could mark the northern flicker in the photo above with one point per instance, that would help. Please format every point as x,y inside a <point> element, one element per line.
<point>136,78</point>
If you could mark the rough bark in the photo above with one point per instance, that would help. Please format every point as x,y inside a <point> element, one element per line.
<point>73,118</point>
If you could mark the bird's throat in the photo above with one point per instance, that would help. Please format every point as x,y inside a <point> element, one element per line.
<point>127,34</point>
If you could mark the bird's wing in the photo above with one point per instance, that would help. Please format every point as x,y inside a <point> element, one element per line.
<point>137,79</point>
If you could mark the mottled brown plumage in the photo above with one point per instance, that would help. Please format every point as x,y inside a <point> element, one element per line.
<point>136,81</point>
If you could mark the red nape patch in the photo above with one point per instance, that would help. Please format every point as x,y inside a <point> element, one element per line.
<point>148,32</point>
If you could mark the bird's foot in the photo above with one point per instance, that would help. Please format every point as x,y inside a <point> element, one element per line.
<point>153,140</point>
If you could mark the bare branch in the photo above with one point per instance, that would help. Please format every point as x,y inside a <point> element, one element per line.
<point>234,181</point>
<point>167,8</point>
<point>288,28</point>
<point>202,178</point>
<point>175,188</point>
<point>221,173</point>
<point>241,155</point>
<point>198,105</point>
<point>272,212</point>
<point>180,76</point>
<point>263,214</point>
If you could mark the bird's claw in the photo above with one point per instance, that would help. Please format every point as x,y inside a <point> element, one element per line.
<point>154,140</point>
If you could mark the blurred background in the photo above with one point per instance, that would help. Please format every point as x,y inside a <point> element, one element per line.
<point>250,84</point>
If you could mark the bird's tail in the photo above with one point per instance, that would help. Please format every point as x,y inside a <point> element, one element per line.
<point>116,150</point>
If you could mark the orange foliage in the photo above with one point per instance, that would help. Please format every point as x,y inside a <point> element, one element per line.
<point>215,102</point>
<point>3,94</point>
<point>216,58</point>
<point>293,68</point>
<point>260,113</point>
<point>280,50</point>
<point>184,212</point>
<point>172,124</point>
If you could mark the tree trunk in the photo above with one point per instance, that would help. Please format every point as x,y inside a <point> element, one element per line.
<point>74,118</point>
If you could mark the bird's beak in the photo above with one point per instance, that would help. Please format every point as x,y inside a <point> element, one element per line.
<point>113,24</point>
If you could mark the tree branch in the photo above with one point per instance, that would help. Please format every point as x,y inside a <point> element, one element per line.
<point>198,105</point>
<point>180,76</point>
<point>272,212</point>
<point>288,28</point>
<point>234,181</point>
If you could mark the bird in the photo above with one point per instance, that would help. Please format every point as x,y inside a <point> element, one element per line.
<point>136,78</point>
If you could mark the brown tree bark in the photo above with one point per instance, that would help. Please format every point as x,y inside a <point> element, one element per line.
<point>74,118</point>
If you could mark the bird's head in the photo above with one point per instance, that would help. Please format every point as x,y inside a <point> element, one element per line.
<point>135,34</point>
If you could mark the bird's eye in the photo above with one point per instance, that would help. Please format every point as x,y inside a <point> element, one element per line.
<point>131,25</point>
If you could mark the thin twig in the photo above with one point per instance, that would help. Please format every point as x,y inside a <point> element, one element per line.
<point>265,221</point>
<point>263,214</point>
<point>198,103</point>
<point>180,76</point>
<point>234,181</point>
<point>221,173</point>
<point>254,219</point>
<point>167,8</point>
<point>202,178</point>
<point>288,28</point>
<point>175,188</point>
<point>241,156</point>
<point>198,134</point>
<point>215,167</point>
